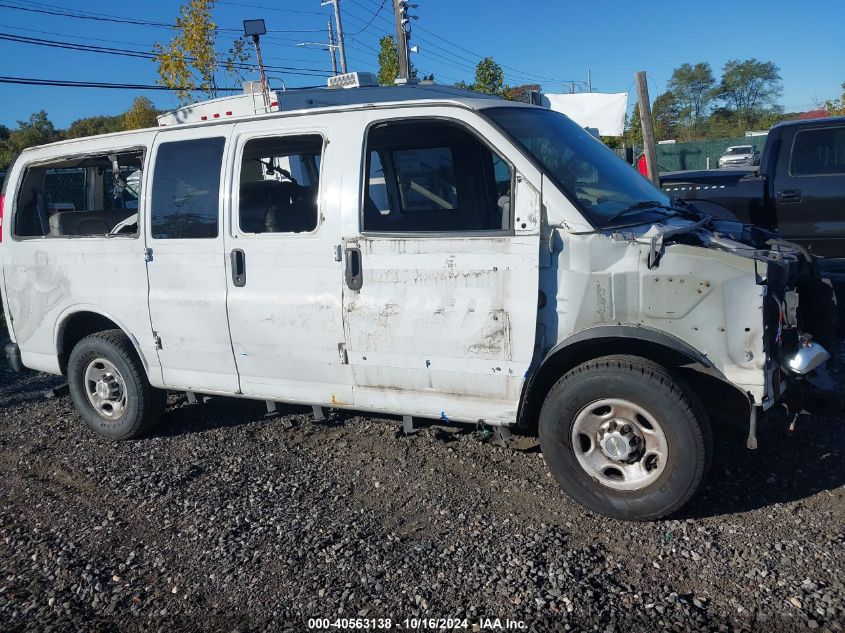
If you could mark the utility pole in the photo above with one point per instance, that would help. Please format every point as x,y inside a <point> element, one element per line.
<point>332,47</point>
<point>648,128</point>
<point>589,80</point>
<point>336,5</point>
<point>400,13</point>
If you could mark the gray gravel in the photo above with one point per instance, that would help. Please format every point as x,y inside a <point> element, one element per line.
<point>227,520</point>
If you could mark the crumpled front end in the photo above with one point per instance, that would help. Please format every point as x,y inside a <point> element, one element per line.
<point>757,312</point>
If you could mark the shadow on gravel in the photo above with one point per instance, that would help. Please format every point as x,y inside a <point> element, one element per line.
<point>787,466</point>
<point>218,412</point>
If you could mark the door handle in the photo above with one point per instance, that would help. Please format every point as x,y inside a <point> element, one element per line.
<point>238,267</point>
<point>790,195</point>
<point>354,271</point>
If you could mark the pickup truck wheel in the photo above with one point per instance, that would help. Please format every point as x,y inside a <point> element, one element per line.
<point>110,389</point>
<point>625,439</point>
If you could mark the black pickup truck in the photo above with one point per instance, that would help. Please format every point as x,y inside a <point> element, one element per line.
<point>798,189</point>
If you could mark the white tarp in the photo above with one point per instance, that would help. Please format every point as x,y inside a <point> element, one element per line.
<point>606,112</point>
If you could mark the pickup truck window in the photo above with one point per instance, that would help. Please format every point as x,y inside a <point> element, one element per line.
<point>819,152</point>
<point>591,175</point>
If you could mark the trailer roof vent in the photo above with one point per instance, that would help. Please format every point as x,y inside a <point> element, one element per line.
<point>353,80</point>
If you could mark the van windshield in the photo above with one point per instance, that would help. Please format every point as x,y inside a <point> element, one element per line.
<point>603,185</point>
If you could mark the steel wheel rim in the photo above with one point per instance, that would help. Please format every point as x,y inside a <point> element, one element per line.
<point>619,444</point>
<point>105,388</point>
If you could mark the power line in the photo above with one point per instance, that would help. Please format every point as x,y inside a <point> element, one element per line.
<point>372,19</point>
<point>85,15</point>
<point>29,81</point>
<point>106,50</point>
<point>258,6</point>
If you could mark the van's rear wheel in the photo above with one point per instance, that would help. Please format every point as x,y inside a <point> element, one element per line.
<point>110,389</point>
<point>625,439</point>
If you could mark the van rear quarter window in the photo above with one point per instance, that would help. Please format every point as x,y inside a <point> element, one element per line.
<point>185,199</point>
<point>91,195</point>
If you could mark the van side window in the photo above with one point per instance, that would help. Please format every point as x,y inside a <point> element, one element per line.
<point>82,196</point>
<point>280,184</point>
<point>819,152</point>
<point>433,176</point>
<point>185,199</point>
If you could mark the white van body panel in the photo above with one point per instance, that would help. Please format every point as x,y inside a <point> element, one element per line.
<point>49,279</point>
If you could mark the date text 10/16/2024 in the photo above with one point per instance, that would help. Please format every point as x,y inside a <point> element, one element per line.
<point>416,624</point>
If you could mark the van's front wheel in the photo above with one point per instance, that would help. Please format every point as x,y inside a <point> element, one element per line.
<point>624,439</point>
<point>110,389</point>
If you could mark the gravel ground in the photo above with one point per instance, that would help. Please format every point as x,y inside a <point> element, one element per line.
<point>227,520</point>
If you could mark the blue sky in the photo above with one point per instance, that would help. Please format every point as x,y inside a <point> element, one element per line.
<point>550,42</point>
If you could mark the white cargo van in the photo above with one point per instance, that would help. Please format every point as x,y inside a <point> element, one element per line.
<point>416,250</point>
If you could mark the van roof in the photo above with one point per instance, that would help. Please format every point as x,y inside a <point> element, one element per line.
<point>325,100</point>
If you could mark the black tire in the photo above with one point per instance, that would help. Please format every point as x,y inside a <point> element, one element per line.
<point>681,416</point>
<point>144,403</point>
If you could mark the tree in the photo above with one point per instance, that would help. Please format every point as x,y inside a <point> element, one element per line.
<point>693,88</point>
<point>836,106</point>
<point>142,113</point>
<point>489,77</point>
<point>38,130</point>
<point>190,63</point>
<point>666,111</point>
<point>93,125</point>
<point>749,88</point>
<point>634,127</point>
<point>388,61</point>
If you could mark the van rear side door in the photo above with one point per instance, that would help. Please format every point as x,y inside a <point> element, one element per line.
<point>285,281</point>
<point>186,271</point>
<point>441,282</point>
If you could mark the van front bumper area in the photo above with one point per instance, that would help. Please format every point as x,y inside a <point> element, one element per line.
<point>13,357</point>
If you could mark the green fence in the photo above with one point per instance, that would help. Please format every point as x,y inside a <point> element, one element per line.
<point>694,155</point>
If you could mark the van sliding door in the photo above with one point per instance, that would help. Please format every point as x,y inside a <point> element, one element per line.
<point>284,278</point>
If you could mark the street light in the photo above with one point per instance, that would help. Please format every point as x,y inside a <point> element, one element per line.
<point>255,29</point>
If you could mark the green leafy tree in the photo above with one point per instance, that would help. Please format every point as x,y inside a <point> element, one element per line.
<point>666,113</point>
<point>93,125</point>
<point>189,63</point>
<point>489,77</point>
<point>836,107</point>
<point>142,113</point>
<point>750,88</point>
<point>388,61</point>
<point>693,89</point>
<point>38,130</point>
<point>634,127</point>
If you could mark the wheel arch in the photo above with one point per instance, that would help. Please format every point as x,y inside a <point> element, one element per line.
<point>77,322</point>
<point>664,349</point>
